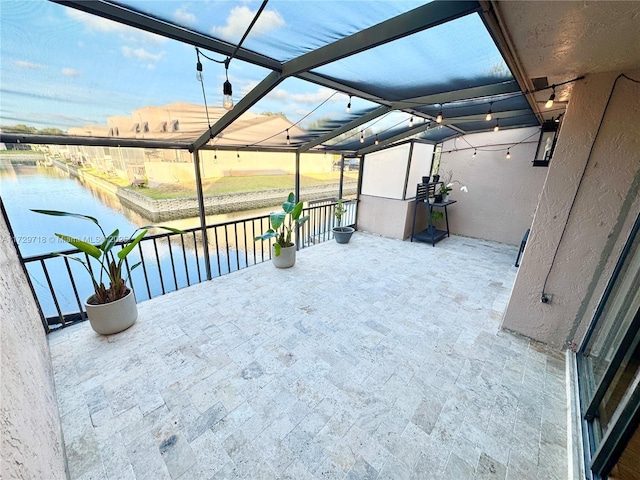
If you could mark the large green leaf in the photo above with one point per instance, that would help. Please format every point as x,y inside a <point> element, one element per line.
<point>266,235</point>
<point>170,229</point>
<point>110,241</point>
<point>85,247</point>
<point>125,251</point>
<point>296,211</point>
<point>277,219</point>
<point>58,213</point>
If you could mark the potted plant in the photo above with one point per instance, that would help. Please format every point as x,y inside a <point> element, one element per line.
<point>283,250</point>
<point>112,307</point>
<point>447,186</point>
<point>341,234</point>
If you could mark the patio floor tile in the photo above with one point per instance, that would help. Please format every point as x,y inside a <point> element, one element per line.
<point>376,359</point>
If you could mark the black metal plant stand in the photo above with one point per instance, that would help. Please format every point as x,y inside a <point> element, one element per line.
<point>430,234</point>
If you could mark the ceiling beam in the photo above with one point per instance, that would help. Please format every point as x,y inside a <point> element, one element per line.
<point>378,112</point>
<point>451,121</point>
<point>36,139</point>
<point>421,18</point>
<point>393,139</point>
<point>142,21</point>
<point>510,86</point>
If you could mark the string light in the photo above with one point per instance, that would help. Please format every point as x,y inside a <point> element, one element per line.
<point>411,122</point>
<point>288,139</point>
<point>439,117</point>
<point>238,154</point>
<point>497,127</point>
<point>489,117</point>
<point>475,153</point>
<point>549,103</point>
<point>198,68</point>
<point>227,90</point>
<point>348,109</point>
<point>361,137</point>
<point>508,153</point>
<point>377,141</point>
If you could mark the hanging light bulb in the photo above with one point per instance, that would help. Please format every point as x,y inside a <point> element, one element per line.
<point>508,153</point>
<point>497,127</point>
<point>549,103</point>
<point>238,155</point>
<point>361,137</point>
<point>475,153</point>
<point>348,109</point>
<point>199,70</point>
<point>227,91</point>
<point>489,117</point>
<point>288,139</point>
<point>411,122</point>
<point>377,141</point>
<point>439,117</point>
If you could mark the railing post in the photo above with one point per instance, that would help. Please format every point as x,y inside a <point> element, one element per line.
<point>341,175</point>
<point>297,193</point>
<point>201,212</point>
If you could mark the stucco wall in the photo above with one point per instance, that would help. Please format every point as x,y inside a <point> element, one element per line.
<point>605,207</point>
<point>503,193</point>
<point>31,436</point>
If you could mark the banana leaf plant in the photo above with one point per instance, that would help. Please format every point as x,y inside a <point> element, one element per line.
<point>281,224</point>
<point>110,263</point>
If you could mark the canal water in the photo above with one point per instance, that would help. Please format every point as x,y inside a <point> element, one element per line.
<point>27,187</point>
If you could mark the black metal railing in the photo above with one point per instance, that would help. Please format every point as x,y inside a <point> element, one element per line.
<point>171,261</point>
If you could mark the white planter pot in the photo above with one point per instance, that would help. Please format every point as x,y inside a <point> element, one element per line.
<point>114,317</point>
<point>287,257</point>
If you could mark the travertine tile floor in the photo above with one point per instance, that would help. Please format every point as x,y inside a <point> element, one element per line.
<point>379,359</point>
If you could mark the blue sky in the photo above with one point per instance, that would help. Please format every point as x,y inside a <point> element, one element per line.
<point>62,68</point>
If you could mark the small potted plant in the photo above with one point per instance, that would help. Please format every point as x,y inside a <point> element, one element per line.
<point>112,307</point>
<point>283,250</point>
<point>447,186</point>
<point>340,233</point>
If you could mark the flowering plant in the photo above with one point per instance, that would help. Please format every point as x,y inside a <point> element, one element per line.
<point>448,183</point>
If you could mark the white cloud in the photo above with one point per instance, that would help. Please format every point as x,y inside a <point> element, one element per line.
<point>317,97</point>
<point>182,16</point>
<point>141,54</point>
<point>70,72</point>
<point>94,23</point>
<point>240,18</point>
<point>29,65</point>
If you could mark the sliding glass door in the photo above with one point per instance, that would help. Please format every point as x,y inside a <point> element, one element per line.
<point>609,373</point>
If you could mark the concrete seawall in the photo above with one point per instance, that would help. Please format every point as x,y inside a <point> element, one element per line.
<point>176,208</point>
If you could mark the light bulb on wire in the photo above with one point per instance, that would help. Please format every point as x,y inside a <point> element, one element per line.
<point>508,153</point>
<point>489,117</point>
<point>549,103</point>
<point>497,127</point>
<point>348,109</point>
<point>377,141</point>
<point>361,137</point>
<point>439,117</point>
<point>411,122</point>
<point>199,70</point>
<point>227,90</point>
<point>475,153</point>
<point>288,139</point>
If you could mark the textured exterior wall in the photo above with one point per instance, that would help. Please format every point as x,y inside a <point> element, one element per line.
<point>31,437</point>
<point>503,193</point>
<point>606,205</point>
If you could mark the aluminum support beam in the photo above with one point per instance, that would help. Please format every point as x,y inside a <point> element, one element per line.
<point>395,138</point>
<point>378,112</point>
<point>203,219</point>
<point>36,139</point>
